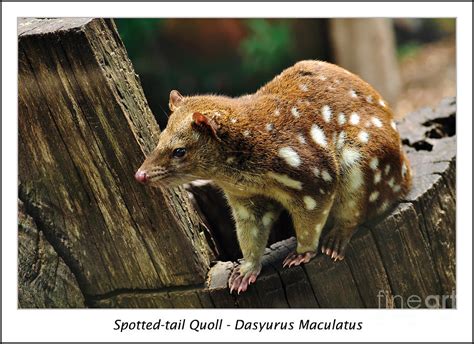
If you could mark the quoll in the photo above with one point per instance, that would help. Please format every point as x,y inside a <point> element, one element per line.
<point>316,140</point>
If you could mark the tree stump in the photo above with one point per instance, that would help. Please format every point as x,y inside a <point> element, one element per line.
<point>90,236</point>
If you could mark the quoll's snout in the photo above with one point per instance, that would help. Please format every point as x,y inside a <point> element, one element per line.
<point>141,177</point>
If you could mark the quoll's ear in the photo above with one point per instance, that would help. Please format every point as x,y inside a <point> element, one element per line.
<point>203,122</point>
<point>175,100</point>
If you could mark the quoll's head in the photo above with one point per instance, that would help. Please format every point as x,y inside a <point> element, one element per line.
<point>185,147</point>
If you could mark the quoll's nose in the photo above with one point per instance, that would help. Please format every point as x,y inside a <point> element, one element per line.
<point>141,177</point>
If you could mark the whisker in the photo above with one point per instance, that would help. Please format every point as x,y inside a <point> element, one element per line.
<point>166,114</point>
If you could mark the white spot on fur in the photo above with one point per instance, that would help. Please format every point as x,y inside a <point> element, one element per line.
<point>316,172</point>
<point>353,94</point>
<point>276,112</point>
<point>383,207</point>
<point>326,176</point>
<point>321,191</point>
<point>255,232</point>
<point>294,112</point>
<point>393,125</point>
<point>377,122</point>
<point>303,87</point>
<point>374,163</point>
<point>269,127</point>
<point>246,133</point>
<point>350,156</point>
<point>322,77</point>
<point>242,212</point>
<point>391,182</point>
<point>356,178</point>
<point>377,177</point>
<point>341,139</point>
<point>318,136</point>
<point>373,196</point>
<point>381,102</point>
<point>387,169</point>
<point>290,156</point>
<point>326,112</point>
<point>404,169</point>
<point>396,188</point>
<point>309,202</point>
<point>286,180</point>
<point>230,159</point>
<point>369,99</point>
<point>301,139</point>
<point>354,119</point>
<point>363,137</point>
<point>267,218</point>
<point>233,120</point>
<point>341,119</point>
<point>351,204</point>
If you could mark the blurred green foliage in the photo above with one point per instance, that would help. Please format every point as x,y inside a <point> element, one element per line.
<point>267,46</point>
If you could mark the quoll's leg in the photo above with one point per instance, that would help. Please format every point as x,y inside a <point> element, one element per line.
<point>347,213</point>
<point>309,218</point>
<point>254,218</point>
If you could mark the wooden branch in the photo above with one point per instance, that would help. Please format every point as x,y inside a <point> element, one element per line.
<point>84,128</point>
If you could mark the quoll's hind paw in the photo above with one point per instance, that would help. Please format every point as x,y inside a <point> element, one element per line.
<point>295,259</point>
<point>334,245</point>
<point>240,280</point>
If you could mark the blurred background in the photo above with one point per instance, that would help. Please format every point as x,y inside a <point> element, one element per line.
<point>411,62</point>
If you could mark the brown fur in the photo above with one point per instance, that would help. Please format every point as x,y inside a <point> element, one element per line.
<point>238,143</point>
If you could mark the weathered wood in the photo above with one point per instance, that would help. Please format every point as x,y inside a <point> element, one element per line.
<point>44,280</point>
<point>84,128</point>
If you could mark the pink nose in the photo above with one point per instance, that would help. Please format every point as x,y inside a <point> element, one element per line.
<point>141,177</point>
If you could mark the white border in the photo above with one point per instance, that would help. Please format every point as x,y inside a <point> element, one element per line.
<point>96,325</point>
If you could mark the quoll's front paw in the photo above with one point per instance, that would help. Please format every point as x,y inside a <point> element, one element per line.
<point>295,259</point>
<point>242,276</point>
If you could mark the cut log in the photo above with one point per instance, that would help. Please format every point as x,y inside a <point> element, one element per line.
<point>84,128</point>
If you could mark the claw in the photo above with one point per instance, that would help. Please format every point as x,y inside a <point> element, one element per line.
<point>295,259</point>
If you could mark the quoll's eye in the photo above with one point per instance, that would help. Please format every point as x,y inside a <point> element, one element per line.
<point>179,152</point>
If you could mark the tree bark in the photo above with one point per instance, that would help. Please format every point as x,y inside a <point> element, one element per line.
<point>84,128</point>
<point>367,47</point>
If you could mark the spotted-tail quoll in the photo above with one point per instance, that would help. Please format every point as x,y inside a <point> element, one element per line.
<point>316,140</point>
